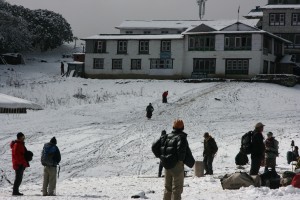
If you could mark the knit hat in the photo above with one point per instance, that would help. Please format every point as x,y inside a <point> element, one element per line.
<point>53,140</point>
<point>19,135</point>
<point>178,124</point>
<point>259,125</point>
<point>206,134</point>
<point>269,134</point>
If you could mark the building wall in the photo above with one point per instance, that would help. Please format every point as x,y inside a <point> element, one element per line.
<point>287,28</point>
<point>133,53</point>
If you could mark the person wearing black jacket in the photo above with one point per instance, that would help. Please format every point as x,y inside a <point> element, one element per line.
<point>174,152</point>
<point>258,149</point>
<point>209,152</point>
<point>50,159</point>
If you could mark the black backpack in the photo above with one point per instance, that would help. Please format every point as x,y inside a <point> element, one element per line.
<point>241,159</point>
<point>246,143</point>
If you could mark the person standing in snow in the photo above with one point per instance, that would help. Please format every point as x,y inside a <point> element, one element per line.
<point>164,97</point>
<point>257,149</point>
<point>209,152</point>
<point>149,111</point>
<point>19,162</point>
<point>50,158</point>
<point>62,68</point>
<point>160,167</point>
<point>271,145</point>
<point>174,152</point>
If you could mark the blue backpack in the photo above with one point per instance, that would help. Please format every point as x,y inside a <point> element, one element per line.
<point>48,154</point>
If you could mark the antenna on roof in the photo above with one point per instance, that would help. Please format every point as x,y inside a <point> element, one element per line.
<point>238,18</point>
<point>201,4</point>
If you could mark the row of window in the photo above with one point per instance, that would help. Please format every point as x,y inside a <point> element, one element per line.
<point>278,19</point>
<point>100,46</point>
<point>202,65</point>
<point>149,32</point>
<point>136,64</point>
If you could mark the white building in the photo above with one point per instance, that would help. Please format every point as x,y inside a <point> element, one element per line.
<point>155,49</point>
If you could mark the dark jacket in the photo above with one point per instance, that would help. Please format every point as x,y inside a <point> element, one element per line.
<point>149,109</point>
<point>210,147</point>
<point>174,148</point>
<point>18,154</point>
<point>50,155</point>
<point>258,145</point>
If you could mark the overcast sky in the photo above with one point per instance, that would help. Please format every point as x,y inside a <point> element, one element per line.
<point>91,17</point>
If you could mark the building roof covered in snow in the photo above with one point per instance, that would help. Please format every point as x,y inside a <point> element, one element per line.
<point>282,6</point>
<point>133,37</point>
<point>11,102</point>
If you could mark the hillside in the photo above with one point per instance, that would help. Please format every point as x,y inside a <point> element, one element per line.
<point>105,138</point>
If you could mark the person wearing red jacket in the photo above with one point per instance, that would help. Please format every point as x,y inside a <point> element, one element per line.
<point>164,97</point>
<point>18,160</point>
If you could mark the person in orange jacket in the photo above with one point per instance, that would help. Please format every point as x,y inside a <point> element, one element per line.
<point>18,160</point>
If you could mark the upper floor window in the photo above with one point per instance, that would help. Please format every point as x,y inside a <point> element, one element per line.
<point>147,32</point>
<point>277,19</point>
<point>164,32</point>
<point>98,63</point>
<point>202,43</point>
<point>238,42</point>
<point>116,63</point>
<point>165,46</point>
<point>100,46</point>
<point>144,47</point>
<point>129,32</point>
<point>122,46</point>
<point>296,19</point>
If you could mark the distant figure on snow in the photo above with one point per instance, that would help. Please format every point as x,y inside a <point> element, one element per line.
<point>149,111</point>
<point>62,68</point>
<point>271,152</point>
<point>209,152</point>
<point>50,158</point>
<point>295,154</point>
<point>164,97</point>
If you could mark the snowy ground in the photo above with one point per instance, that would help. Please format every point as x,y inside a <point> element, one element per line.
<point>105,138</point>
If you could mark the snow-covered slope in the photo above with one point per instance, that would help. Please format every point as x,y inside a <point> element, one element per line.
<point>105,138</point>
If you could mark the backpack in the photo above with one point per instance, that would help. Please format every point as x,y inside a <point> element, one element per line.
<point>28,156</point>
<point>157,145</point>
<point>48,153</point>
<point>289,157</point>
<point>270,179</point>
<point>296,181</point>
<point>246,143</point>
<point>241,159</point>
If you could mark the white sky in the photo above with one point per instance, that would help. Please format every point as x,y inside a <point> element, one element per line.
<point>90,17</point>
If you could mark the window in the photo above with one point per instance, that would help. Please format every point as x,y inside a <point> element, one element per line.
<point>129,32</point>
<point>267,44</point>
<point>202,43</point>
<point>116,63</point>
<point>147,32</point>
<point>278,48</point>
<point>144,47</point>
<point>164,32</point>
<point>272,67</point>
<point>297,39</point>
<point>296,19</point>
<point>161,63</point>
<point>122,46</point>
<point>98,63</point>
<point>165,46</point>
<point>266,67</point>
<point>100,46</point>
<point>237,66</point>
<point>136,64</point>
<point>205,65</point>
<point>277,19</point>
<point>238,42</point>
